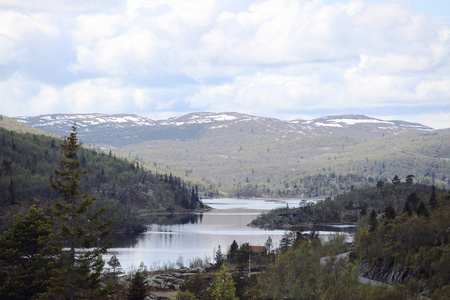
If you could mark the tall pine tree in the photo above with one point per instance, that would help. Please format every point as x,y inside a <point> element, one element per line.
<point>80,230</point>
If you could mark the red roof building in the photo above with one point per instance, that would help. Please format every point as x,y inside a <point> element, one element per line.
<point>258,249</point>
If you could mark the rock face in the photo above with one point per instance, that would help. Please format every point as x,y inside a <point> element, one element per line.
<point>164,281</point>
<point>385,273</point>
<point>170,280</point>
<point>389,274</point>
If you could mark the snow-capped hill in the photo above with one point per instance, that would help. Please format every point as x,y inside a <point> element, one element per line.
<point>359,122</point>
<point>199,118</point>
<point>210,117</point>
<point>126,129</point>
<point>86,120</point>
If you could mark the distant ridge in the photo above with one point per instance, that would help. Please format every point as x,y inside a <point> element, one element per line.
<point>14,125</point>
<point>124,129</point>
<point>235,154</point>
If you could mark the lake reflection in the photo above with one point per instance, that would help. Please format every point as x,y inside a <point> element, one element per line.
<point>197,236</point>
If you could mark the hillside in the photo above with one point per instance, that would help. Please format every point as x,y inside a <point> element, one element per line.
<point>27,164</point>
<point>406,249</point>
<point>241,155</point>
<point>350,207</point>
<point>12,124</point>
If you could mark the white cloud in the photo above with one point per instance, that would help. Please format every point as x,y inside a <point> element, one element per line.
<point>15,31</point>
<point>264,93</point>
<point>267,57</point>
<point>135,52</point>
<point>90,28</point>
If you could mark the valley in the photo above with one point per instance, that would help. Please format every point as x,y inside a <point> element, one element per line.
<point>153,174</point>
<point>233,154</point>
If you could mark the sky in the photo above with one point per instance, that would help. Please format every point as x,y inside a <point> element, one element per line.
<point>273,58</point>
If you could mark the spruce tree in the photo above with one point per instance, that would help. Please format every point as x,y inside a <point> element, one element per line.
<point>422,210</point>
<point>233,251</point>
<point>389,212</point>
<point>433,199</point>
<point>137,289</point>
<point>219,257</point>
<point>80,230</point>
<point>407,209</point>
<point>27,256</point>
<point>373,223</point>
<point>396,180</point>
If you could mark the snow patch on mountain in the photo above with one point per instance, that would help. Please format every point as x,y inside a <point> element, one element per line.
<point>328,124</point>
<point>359,121</point>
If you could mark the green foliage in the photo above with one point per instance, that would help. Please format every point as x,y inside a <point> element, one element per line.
<point>231,163</point>
<point>295,273</point>
<point>27,256</point>
<point>419,241</point>
<point>391,197</point>
<point>193,287</point>
<point>310,270</point>
<point>28,160</point>
<point>389,212</point>
<point>137,290</point>
<point>233,251</point>
<point>186,295</point>
<point>373,222</point>
<point>81,271</point>
<point>222,287</point>
<point>219,257</point>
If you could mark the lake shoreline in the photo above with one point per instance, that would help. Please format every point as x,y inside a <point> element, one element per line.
<point>298,227</point>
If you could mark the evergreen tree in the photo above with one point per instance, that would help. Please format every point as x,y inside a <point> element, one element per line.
<point>192,288</point>
<point>137,289</point>
<point>410,179</point>
<point>373,223</point>
<point>11,192</point>
<point>422,210</point>
<point>116,268</point>
<point>27,256</point>
<point>389,212</point>
<point>82,270</point>
<point>234,249</point>
<point>407,209</point>
<point>243,255</point>
<point>396,180</point>
<point>413,200</point>
<point>433,199</point>
<point>219,257</point>
<point>287,240</point>
<point>269,245</point>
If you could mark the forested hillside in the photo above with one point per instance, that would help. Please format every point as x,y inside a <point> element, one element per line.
<point>233,154</point>
<point>353,206</point>
<point>402,239</point>
<point>27,163</point>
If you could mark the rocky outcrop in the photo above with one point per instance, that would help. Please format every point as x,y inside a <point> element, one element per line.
<point>170,280</point>
<point>389,274</point>
<point>164,281</point>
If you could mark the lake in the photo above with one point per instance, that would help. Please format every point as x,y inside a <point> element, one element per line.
<point>184,238</point>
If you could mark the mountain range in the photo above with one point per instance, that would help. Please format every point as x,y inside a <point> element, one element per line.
<point>125,129</point>
<point>232,153</point>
